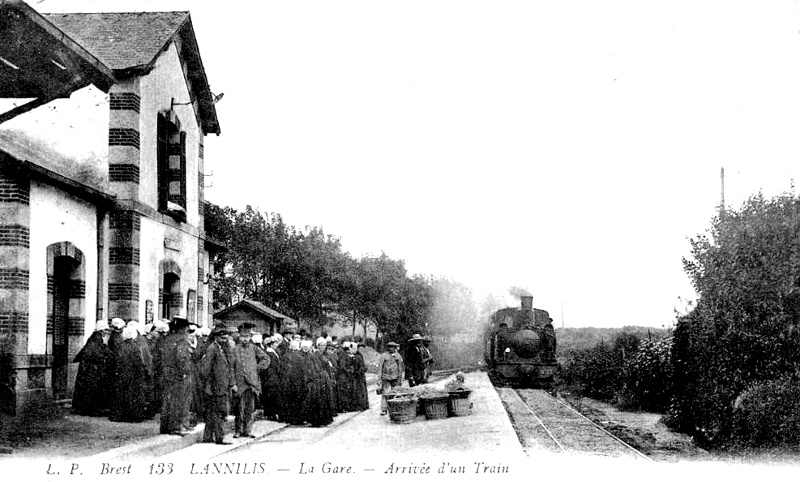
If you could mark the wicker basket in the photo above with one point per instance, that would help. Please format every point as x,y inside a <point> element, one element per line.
<point>458,404</point>
<point>435,406</point>
<point>402,410</point>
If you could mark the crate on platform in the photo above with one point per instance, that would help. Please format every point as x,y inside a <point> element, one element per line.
<point>458,404</point>
<point>402,409</point>
<point>435,406</point>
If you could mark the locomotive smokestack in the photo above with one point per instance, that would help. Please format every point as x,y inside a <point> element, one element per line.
<point>527,303</point>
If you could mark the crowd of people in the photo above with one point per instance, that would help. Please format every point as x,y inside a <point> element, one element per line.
<point>131,372</point>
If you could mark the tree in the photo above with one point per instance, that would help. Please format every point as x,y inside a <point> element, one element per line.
<point>745,327</point>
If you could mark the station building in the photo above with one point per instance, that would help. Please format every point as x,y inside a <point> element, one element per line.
<point>102,123</point>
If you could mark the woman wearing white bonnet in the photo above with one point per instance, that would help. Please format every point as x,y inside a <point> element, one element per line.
<point>130,333</point>
<point>133,381</point>
<point>102,325</point>
<point>91,385</point>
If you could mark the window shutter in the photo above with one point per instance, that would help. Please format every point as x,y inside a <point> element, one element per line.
<point>176,163</point>
<point>162,147</point>
<point>183,169</point>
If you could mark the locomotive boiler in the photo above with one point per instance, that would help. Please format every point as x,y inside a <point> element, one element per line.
<point>520,344</point>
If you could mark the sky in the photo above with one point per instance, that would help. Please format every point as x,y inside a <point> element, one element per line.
<point>571,148</point>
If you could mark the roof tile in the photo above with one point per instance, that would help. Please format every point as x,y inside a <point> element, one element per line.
<point>120,40</point>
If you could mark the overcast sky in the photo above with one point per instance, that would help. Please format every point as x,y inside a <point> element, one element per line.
<point>567,147</point>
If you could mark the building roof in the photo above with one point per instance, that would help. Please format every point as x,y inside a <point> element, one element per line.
<point>259,308</point>
<point>121,40</point>
<point>129,43</point>
<point>37,59</point>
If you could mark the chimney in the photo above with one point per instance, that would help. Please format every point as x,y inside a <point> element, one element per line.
<point>527,303</point>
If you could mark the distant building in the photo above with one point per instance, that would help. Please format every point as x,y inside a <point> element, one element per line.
<point>267,320</point>
<point>101,183</point>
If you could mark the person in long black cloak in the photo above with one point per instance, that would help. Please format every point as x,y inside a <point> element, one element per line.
<point>156,339</point>
<point>359,380</point>
<point>178,369</point>
<point>92,384</point>
<point>329,353</point>
<point>271,380</point>
<point>316,407</point>
<point>198,383</point>
<point>114,345</point>
<point>147,356</point>
<point>130,387</point>
<point>294,385</point>
<point>344,379</point>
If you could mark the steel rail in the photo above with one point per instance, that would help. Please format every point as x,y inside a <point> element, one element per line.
<point>598,427</point>
<point>547,430</point>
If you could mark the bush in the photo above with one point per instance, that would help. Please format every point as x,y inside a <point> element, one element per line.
<point>768,414</point>
<point>648,377</point>
<point>598,371</point>
<point>745,327</point>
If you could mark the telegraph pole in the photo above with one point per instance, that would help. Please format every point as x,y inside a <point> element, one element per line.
<point>722,192</point>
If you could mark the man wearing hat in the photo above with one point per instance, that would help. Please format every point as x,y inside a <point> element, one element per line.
<point>177,367</point>
<point>415,363</point>
<point>427,357</point>
<point>218,383</point>
<point>390,372</point>
<point>248,359</point>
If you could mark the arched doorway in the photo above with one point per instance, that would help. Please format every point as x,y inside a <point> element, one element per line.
<point>171,296</point>
<point>66,290</point>
<point>64,268</point>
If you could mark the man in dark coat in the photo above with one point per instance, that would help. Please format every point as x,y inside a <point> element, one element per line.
<point>92,384</point>
<point>427,357</point>
<point>248,359</point>
<point>177,369</point>
<point>219,382</point>
<point>415,361</point>
<point>271,380</point>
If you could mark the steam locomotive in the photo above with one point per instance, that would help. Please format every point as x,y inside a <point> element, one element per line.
<point>520,344</point>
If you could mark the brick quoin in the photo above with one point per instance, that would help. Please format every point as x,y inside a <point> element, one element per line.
<point>124,255</point>
<point>15,235</point>
<point>123,291</point>
<point>118,136</point>
<point>125,220</point>
<point>14,279</point>
<point>15,321</point>
<point>77,289</point>
<point>123,173</point>
<point>125,101</point>
<point>12,191</point>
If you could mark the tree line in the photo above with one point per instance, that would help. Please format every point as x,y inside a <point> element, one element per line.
<point>307,275</point>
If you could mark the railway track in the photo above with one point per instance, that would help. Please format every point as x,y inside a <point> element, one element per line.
<point>545,423</point>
